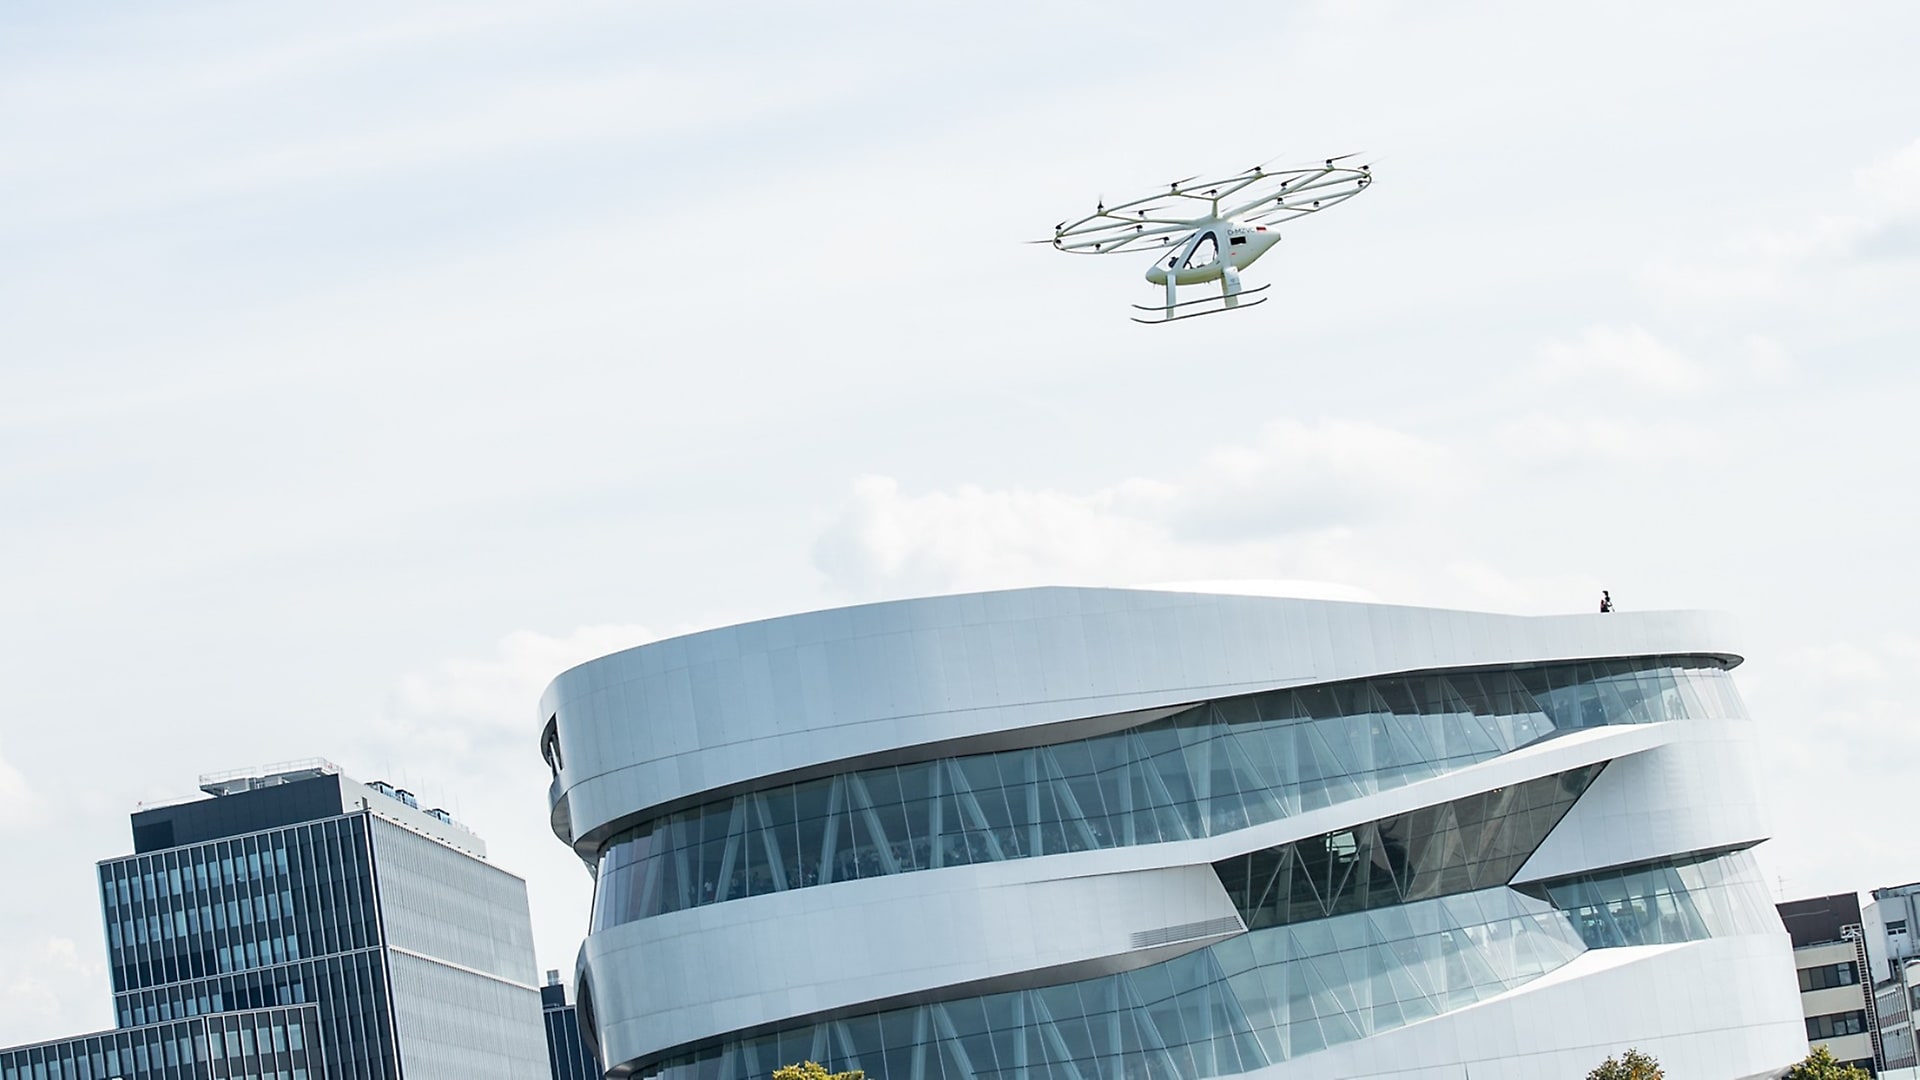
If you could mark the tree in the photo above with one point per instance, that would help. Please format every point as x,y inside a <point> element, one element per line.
<point>813,1070</point>
<point>1820,1065</point>
<point>1632,1065</point>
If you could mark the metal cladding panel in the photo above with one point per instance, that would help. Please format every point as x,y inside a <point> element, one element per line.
<point>456,1025</point>
<point>442,903</point>
<point>665,721</point>
<point>886,938</point>
<point>1699,792</point>
<point>460,956</point>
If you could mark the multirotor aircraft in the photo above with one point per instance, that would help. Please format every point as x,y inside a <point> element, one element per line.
<point>1235,225</point>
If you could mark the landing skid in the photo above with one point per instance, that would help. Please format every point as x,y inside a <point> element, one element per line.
<point>1167,311</point>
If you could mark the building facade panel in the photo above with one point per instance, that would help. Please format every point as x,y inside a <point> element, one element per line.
<point>455,1024</point>
<point>460,954</point>
<point>923,839</point>
<point>437,902</point>
<point>1699,792</point>
<point>873,679</point>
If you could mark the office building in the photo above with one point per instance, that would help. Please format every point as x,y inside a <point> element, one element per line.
<point>248,1044</point>
<point>1111,833</point>
<point>568,1057</point>
<point>1895,911</point>
<point>1834,963</point>
<point>369,935</point>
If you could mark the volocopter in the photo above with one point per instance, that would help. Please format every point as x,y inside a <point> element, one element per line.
<point>1203,230</point>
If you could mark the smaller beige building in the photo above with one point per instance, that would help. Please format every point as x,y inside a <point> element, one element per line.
<point>1831,960</point>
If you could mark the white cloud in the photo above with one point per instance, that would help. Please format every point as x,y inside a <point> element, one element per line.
<point>1831,246</point>
<point>18,803</point>
<point>1296,476</point>
<point>463,698</point>
<point>1545,440</point>
<point>1842,662</point>
<point>37,983</point>
<point>1893,182</point>
<point>1239,511</point>
<point>972,537</point>
<point>1766,360</point>
<point>1626,355</point>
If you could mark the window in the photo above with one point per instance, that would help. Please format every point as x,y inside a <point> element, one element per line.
<point>1897,926</point>
<point>1834,1025</point>
<point>1828,976</point>
<point>550,744</point>
<point>1204,252</point>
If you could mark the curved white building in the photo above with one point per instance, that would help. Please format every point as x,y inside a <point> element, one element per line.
<point>1095,834</point>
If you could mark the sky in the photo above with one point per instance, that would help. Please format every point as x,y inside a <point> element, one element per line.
<point>363,366</point>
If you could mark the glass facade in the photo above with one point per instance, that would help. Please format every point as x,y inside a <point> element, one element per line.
<point>1266,996</point>
<point>1455,847</point>
<point>265,1044</point>
<point>1663,902</point>
<point>567,1055</point>
<point>277,918</point>
<point>1212,768</point>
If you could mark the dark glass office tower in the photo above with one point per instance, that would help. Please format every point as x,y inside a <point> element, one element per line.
<point>300,887</point>
<point>567,1054</point>
<point>258,1044</point>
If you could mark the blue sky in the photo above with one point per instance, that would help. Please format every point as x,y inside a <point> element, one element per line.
<point>364,367</point>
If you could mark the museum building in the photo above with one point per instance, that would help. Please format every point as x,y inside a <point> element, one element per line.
<point>1094,834</point>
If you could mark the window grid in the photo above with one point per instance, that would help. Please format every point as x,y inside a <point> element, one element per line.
<point>202,1048</point>
<point>1213,768</point>
<point>283,917</point>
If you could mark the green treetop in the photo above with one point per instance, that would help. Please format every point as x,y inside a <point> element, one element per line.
<point>813,1070</point>
<point>1820,1065</point>
<point>1632,1065</point>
